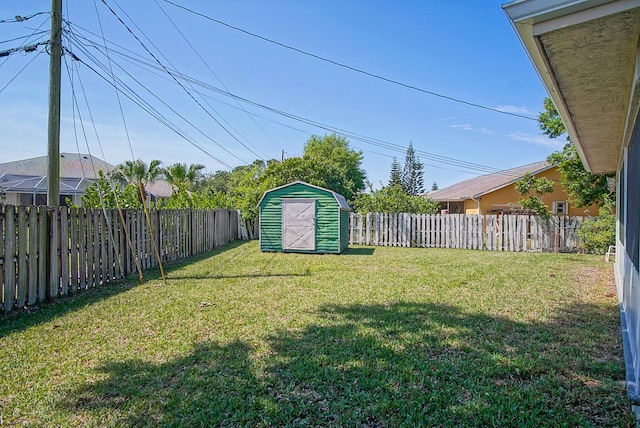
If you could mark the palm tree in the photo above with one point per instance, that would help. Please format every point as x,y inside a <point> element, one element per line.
<point>182,177</point>
<point>137,173</point>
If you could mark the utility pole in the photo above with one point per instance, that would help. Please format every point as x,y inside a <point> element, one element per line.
<point>55,63</point>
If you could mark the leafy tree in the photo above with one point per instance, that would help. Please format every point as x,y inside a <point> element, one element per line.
<point>413,173</point>
<point>549,120</point>
<point>102,193</point>
<point>532,191</point>
<point>434,186</point>
<point>582,187</point>
<point>247,184</point>
<point>137,173</point>
<point>395,177</point>
<point>214,182</point>
<point>334,165</point>
<point>326,162</point>
<point>393,199</point>
<point>181,176</point>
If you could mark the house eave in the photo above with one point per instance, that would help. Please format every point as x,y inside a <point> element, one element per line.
<point>572,44</point>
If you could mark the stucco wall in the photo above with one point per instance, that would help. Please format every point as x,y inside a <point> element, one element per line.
<point>508,194</point>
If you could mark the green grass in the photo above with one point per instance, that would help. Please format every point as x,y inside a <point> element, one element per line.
<point>372,338</point>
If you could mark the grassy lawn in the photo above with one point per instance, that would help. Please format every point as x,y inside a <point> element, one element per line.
<point>375,337</point>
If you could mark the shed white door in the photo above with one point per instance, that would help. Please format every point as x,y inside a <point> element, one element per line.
<point>298,224</point>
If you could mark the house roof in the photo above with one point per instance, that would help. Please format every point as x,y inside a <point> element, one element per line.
<point>481,185</point>
<point>586,53</point>
<point>72,165</point>
<point>77,172</point>
<point>341,200</point>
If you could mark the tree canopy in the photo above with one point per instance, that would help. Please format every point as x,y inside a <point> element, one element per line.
<point>393,199</point>
<point>326,162</point>
<point>412,173</point>
<point>532,191</point>
<point>181,176</point>
<point>582,187</point>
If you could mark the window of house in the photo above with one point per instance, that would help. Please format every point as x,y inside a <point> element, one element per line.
<point>560,207</point>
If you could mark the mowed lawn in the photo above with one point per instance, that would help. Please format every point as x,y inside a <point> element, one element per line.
<point>376,337</point>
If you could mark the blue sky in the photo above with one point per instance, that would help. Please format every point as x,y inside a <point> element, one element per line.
<point>465,50</point>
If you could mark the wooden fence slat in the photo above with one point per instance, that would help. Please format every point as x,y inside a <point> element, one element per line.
<point>9,256</point>
<point>23,271</point>
<point>74,255</point>
<point>64,251</point>
<point>43,241</point>
<point>32,293</point>
<point>54,254</point>
<point>83,255</point>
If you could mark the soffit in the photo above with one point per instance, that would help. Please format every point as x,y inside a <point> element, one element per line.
<point>593,65</point>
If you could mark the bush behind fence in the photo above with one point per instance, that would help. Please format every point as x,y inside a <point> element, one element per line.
<point>476,232</point>
<point>48,252</point>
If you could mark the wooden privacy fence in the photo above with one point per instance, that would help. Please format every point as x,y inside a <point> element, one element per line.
<point>474,232</point>
<point>48,252</point>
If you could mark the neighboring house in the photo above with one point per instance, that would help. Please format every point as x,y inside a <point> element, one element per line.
<point>24,182</point>
<point>588,57</point>
<point>496,193</point>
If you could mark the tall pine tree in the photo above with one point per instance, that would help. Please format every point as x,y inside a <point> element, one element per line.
<point>395,178</point>
<point>413,173</point>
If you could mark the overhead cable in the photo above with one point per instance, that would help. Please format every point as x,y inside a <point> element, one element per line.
<point>176,80</point>
<point>458,163</point>
<point>349,67</point>
<point>19,18</point>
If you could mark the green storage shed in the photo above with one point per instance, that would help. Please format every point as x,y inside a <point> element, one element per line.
<point>300,217</point>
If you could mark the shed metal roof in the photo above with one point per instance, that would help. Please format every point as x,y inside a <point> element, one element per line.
<point>341,200</point>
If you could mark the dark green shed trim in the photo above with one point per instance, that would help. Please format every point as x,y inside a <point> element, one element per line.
<point>331,218</point>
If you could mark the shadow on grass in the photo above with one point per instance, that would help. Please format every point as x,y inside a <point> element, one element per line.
<point>401,364</point>
<point>19,320</point>
<point>358,251</point>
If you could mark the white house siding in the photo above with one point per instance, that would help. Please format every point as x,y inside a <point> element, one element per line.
<point>628,261</point>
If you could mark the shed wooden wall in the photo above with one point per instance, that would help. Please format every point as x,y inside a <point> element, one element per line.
<point>328,222</point>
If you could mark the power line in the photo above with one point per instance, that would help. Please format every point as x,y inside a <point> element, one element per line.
<point>205,101</point>
<point>19,72</point>
<point>349,67</point>
<point>25,49</point>
<point>214,73</point>
<point>176,80</point>
<point>19,18</point>
<point>476,168</point>
<point>152,111</point>
<point>23,37</point>
<point>136,99</point>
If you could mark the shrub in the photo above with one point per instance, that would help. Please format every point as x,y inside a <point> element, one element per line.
<point>597,233</point>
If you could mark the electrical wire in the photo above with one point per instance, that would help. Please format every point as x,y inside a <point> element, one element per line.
<point>176,80</point>
<point>27,40</point>
<point>195,51</point>
<point>136,99</point>
<point>19,18</point>
<point>24,37</point>
<point>349,67</point>
<point>204,100</point>
<point>154,112</point>
<point>452,161</point>
<point>20,72</point>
